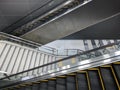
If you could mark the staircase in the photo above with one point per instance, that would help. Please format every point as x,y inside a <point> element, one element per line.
<point>99,78</point>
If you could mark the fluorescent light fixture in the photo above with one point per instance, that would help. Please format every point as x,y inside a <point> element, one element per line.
<point>49,71</point>
<point>82,67</point>
<point>58,69</point>
<point>84,62</point>
<point>41,74</point>
<point>117,53</point>
<point>64,71</point>
<point>64,67</point>
<point>26,78</point>
<point>68,66</point>
<point>69,1</point>
<point>106,61</point>
<point>106,56</point>
<point>53,74</point>
<point>3,72</point>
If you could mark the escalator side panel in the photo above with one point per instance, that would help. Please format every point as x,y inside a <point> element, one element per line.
<point>35,87</point>
<point>117,71</point>
<point>108,79</point>
<point>94,80</point>
<point>82,81</point>
<point>51,85</point>
<point>71,83</point>
<point>60,84</point>
<point>43,86</point>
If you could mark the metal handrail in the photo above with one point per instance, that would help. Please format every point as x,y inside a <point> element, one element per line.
<point>64,59</point>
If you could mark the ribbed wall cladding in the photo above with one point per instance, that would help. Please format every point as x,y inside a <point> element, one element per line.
<point>15,58</point>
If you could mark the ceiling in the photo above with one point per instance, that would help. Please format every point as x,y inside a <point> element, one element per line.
<point>108,29</point>
<point>82,23</point>
<point>90,15</point>
<point>14,13</point>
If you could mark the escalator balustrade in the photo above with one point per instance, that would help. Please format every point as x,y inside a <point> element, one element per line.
<point>99,78</point>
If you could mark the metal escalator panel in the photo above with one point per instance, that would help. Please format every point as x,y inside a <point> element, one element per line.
<point>82,81</point>
<point>35,86</point>
<point>52,85</point>
<point>43,86</point>
<point>61,83</point>
<point>71,83</point>
<point>108,79</point>
<point>94,78</point>
<point>117,71</point>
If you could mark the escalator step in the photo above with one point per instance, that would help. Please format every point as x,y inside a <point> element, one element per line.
<point>117,71</point>
<point>52,85</point>
<point>43,86</point>
<point>60,84</point>
<point>35,87</point>
<point>108,79</point>
<point>82,81</point>
<point>94,80</point>
<point>71,83</point>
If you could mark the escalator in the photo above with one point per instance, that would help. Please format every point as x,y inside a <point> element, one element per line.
<point>100,72</point>
<point>98,78</point>
<point>87,70</point>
